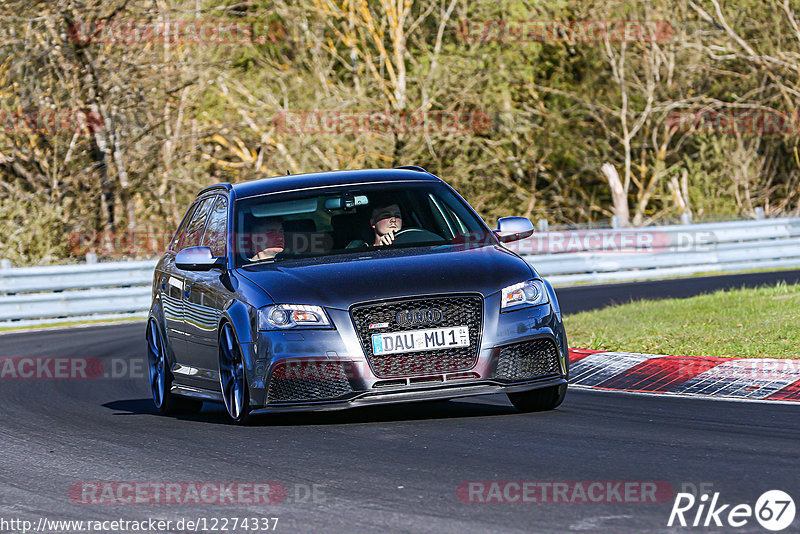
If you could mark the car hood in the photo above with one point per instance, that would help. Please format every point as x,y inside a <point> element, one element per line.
<point>342,280</point>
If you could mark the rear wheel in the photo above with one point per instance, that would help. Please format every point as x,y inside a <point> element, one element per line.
<point>539,400</point>
<point>232,377</point>
<point>161,377</point>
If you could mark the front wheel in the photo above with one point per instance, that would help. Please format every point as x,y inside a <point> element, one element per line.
<point>166,402</point>
<point>539,400</point>
<point>232,377</point>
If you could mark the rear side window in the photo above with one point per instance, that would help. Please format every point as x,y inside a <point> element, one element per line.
<point>194,231</point>
<point>178,237</point>
<point>215,229</point>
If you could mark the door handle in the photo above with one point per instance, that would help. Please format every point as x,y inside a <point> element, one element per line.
<point>187,289</point>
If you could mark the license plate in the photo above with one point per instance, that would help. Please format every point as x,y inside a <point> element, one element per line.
<point>418,340</point>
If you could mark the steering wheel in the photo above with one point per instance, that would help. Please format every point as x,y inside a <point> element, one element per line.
<point>415,235</point>
<point>357,243</point>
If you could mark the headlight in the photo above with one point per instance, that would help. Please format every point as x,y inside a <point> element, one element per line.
<point>530,293</point>
<point>291,316</point>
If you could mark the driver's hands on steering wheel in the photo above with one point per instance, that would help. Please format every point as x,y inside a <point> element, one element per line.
<point>386,239</point>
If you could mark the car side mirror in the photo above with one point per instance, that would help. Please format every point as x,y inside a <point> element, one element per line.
<point>198,259</point>
<point>513,229</point>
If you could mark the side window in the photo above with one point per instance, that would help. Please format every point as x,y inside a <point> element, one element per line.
<point>194,231</point>
<point>215,229</point>
<point>176,239</point>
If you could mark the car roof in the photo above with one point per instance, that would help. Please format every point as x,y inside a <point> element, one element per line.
<point>322,179</point>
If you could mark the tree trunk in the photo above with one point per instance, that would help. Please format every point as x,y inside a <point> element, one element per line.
<point>617,194</point>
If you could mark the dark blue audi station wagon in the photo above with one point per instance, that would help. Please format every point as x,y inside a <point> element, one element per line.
<point>342,289</point>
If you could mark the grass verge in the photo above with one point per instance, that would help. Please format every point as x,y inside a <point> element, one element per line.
<point>745,323</point>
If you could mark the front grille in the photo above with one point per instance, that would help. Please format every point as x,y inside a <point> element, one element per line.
<point>456,311</point>
<point>308,381</point>
<point>531,359</point>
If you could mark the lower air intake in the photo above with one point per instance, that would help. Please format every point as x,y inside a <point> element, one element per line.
<point>308,381</point>
<point>531,359</point>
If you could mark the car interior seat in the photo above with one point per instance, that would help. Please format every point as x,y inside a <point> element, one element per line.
<point>349,227</point>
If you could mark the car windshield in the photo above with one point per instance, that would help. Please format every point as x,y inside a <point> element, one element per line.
<point>348,219</point>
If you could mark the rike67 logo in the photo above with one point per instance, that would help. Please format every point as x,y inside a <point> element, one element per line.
<point>774,510</point>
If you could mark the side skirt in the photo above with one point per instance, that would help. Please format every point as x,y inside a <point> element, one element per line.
<point>196,393</point>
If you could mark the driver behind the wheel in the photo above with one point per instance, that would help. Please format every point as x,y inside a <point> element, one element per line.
<point>267,238</point>
<point>386,222</point>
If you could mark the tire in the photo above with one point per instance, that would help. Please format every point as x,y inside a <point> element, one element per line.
<point>233,378</point>
<point>160,376</point>
<point>539,400</point>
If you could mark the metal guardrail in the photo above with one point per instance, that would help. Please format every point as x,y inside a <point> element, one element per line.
<point>81,276</point>
<point>662,251</point>
<point>123,300</point>
<point>31,295</point>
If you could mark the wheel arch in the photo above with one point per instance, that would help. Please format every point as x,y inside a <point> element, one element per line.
<point>157,313</point>
<point>241,318</point>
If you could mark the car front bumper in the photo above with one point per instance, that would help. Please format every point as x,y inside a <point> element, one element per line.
<point>411,394</point>
<point>341,346</point>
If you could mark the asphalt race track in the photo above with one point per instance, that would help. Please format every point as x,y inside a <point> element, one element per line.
<point>394,468</point>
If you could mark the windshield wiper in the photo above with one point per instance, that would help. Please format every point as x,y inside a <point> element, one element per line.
<point>259,262</point>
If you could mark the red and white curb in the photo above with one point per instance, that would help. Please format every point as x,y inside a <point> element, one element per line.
<point>771,379</point>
